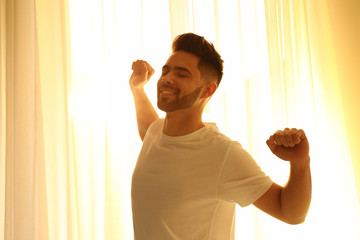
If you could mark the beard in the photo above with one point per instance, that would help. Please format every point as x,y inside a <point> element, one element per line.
<point>178,103</point>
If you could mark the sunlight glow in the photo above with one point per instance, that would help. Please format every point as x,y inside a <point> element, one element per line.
<point>268,84</point>
<point>101,109</point>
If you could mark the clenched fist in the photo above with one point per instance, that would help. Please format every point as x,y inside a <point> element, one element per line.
<point>290,145</point>
<point>142,72</point>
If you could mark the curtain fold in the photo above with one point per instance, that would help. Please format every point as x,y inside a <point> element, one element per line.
<point>68,136</point>
<point>20,188</point>
<point>34,117</point>
<point>346,35</point>
<point>2,114</point>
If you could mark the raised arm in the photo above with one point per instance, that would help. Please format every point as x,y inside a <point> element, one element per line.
<point>291,202</point>
<point>145,112</point>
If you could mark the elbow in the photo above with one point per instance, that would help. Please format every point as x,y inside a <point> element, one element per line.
<point>296,216</point>
<point>295,221</point>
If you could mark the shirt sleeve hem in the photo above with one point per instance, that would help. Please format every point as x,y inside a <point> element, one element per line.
<point>258,193</point>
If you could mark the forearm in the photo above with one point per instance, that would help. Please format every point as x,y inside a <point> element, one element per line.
<point>296,195</point>
<point>145,112</point>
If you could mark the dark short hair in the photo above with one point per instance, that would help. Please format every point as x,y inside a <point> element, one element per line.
<point>210,64</point>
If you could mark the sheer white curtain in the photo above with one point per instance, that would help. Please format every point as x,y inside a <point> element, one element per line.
<point>34,143</point>
<point>68,140</point>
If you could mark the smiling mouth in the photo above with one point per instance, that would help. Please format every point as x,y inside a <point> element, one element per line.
<point>167,91</point>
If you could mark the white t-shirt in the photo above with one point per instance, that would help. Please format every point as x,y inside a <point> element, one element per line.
<point>186,187</point>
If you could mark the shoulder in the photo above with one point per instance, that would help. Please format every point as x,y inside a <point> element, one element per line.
<point>157,124</point>
<point>155,128</point>
<point>215,134</point>
<point>234,148</point>
<point>238,159</point>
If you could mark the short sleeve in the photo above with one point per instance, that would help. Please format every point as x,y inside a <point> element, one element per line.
<point>241,179</point>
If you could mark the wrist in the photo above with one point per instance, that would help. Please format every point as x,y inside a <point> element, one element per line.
<point>303,163</point>
<point>136,90</point>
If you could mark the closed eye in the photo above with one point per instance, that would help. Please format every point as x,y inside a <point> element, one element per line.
<point>181,74</point>
<point>179,71</point>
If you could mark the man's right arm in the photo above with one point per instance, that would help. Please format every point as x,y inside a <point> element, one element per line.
<point>145,111</point>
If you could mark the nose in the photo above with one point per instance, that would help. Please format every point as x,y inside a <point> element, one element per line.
<point>167,79</point>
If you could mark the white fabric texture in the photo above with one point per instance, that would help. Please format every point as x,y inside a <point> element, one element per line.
<point>186,187</point>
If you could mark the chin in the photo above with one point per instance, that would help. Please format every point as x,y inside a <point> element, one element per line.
<point>165,109</point>
<point>161,107</point>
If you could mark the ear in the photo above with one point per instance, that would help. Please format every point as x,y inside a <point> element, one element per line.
<point>210,90</point>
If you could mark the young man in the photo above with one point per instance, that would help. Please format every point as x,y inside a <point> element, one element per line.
<point>189,176</point>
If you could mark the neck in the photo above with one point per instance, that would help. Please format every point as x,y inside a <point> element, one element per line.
<point>182,122</point>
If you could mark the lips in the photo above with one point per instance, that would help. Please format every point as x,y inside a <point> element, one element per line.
<point>167,91</point>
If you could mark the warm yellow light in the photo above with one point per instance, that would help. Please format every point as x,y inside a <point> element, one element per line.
<point>259,94</point>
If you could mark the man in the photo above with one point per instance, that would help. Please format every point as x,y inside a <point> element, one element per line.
<point>188,176</point>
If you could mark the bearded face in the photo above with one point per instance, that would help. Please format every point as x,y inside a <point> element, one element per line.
<point>170,99</point>
<point>180,84</point>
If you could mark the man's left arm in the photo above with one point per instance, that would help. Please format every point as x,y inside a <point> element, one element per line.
<point>291,202</point>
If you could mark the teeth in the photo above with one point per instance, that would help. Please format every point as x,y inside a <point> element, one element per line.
<point>167,92</point>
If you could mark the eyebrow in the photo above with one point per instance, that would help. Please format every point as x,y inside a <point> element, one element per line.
<point>178,68</point>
